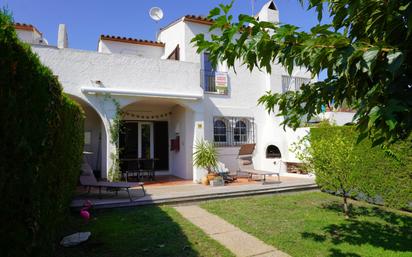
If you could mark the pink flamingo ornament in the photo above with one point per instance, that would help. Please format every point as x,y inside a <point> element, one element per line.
<point>84,212</point>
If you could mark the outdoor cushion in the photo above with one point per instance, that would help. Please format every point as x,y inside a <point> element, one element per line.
<point>247,162</point>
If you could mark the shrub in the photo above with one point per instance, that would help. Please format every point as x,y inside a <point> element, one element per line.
<point>376,175</point>
<point>41,135</point>
<point>205,155</point>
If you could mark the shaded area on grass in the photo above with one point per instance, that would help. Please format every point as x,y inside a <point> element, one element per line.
<point>140,231</point>
<point>312,224</point>
<point>388,230</point>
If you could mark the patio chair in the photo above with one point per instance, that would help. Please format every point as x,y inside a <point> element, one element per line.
<point>88,179</point>
<point>245,164</point>
<point>147,166</point>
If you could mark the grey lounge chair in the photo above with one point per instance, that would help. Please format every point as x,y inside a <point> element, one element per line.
<point>88,179</point>
<point>245,164</point>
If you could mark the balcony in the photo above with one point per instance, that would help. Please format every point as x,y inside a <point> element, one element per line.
<point>214,82</point>
<point>293,83</point>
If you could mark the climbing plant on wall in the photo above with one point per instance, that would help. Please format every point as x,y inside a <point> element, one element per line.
<point>115,126</point>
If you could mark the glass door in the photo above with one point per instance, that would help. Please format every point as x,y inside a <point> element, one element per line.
<point>145,141</point>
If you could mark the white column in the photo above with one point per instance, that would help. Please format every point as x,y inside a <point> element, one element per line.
<point>199,134</point>
<point>109,114</point>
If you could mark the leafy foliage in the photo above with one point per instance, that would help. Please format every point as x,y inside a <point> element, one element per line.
<point>373,175</point>
<point>365,51</point>
<point>115,129</point>
<point>334,163</point>
<point>205,155</point>
<point>41,135</point>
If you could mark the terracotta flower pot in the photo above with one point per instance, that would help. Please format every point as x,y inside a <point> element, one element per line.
<point>205,181</point>
<point>211,176</point>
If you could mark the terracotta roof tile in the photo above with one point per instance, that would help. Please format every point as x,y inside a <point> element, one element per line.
<point>194,19</point>
<point>131,40</point>
<point>28,27</point>
<point>198,19</point>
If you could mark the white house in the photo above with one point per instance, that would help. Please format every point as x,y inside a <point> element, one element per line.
<point>170,96</point>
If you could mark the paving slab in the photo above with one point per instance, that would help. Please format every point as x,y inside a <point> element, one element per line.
<point>189,193</point>
<point>237,241</point>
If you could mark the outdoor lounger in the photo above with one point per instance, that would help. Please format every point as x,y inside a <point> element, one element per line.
<point>245,163</point>
<point>88,179</point>
<point>224,173</point>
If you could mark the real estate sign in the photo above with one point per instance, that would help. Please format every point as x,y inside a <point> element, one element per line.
<point>221,82</point>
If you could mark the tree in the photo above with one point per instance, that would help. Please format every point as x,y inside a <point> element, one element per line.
<point>42,139</point>
<point>334,162</point>
<point>365,51</point>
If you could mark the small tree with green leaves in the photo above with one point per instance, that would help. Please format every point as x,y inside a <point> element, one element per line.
<point>333,161</point>
<point>205,155</point>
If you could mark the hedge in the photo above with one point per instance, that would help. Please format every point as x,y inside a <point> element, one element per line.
<point>41,135</point>
<point>379,177</point>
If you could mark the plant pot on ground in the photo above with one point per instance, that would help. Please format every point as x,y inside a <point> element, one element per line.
<point>206,157</point>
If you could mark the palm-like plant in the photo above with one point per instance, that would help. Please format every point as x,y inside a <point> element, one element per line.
<point>205,155</point>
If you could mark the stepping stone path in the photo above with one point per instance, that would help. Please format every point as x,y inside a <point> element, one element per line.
<point>237,241</point>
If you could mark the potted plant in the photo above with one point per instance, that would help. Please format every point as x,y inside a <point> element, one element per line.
<point>205,156</point>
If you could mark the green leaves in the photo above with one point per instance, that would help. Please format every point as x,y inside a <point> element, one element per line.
<point>205,155</point>
<point>395,60</point>
<point>365,51</point>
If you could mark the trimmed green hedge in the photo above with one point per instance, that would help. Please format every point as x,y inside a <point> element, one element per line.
<point>41,135</point>
<point>379,177</point>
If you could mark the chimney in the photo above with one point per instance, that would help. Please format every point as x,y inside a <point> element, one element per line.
<point>62,39</point>
<point>269,12</point>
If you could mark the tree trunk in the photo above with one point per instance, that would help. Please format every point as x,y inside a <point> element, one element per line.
<point>345,206</point>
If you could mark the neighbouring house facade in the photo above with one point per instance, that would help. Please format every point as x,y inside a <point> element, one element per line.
<point>170,97</point>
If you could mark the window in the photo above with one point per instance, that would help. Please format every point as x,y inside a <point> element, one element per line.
<point>212,81</point>
<point>293,83</point>
<point>233,131</point>
<point>240,134</point>
<point>273,151</point>
<point>175,54</point>
<point>219,131</point>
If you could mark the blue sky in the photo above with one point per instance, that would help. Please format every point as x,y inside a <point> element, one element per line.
<point>86,20</point>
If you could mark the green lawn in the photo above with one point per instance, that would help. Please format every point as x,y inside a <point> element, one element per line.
<point>141,231</point>
<point>311,224</point>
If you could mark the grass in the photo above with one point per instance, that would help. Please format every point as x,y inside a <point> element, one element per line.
<point>141,231</point>
<point>312,224</point>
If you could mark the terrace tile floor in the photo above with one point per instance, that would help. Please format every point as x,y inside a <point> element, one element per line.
<point>170,190</point>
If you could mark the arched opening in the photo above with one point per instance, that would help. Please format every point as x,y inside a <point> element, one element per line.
<point>159,132</point>
<point>95,153</point>
<point>272,152</point>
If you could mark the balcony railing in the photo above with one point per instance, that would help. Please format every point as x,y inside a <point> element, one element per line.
<point>214,82</point>
<point>293,83</point>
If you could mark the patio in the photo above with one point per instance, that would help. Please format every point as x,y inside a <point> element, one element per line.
<point>168,189</point>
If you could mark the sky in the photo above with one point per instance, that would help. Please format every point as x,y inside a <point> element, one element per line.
<point>86,20</point>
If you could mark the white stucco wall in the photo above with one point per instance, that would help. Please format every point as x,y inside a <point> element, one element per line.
<point>177,124</point>
<point>174,35</point>
<point>94,126</point>
<point>338,118</point>
<point>140,69</point>
<point>31,37</point>
<point>147,51</point>
<point>76,69</point>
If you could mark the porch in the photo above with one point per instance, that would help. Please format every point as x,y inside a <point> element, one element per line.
<point>170,189</point>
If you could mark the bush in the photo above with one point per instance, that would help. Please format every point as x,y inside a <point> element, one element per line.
<point>377,176</point>
<point>41,135</point>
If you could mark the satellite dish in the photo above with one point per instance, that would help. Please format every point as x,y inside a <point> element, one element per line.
<point>156,13</point>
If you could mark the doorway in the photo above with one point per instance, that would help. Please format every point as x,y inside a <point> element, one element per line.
<point>145,140</point>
